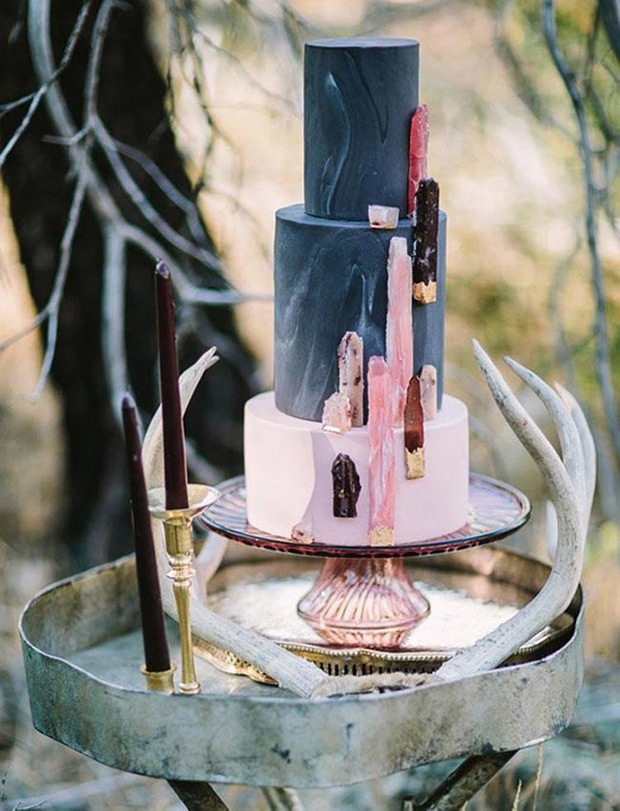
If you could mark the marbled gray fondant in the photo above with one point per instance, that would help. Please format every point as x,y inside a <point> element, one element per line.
<point>330,277</point>
<point>359,97</point>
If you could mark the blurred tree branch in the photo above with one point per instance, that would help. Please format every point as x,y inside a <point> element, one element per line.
<point>122,216</point>
<point>592,114</point>
<point>610,14</point>
<point>585,145</point>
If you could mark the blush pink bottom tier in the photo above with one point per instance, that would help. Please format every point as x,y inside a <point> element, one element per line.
<point>288,465</point>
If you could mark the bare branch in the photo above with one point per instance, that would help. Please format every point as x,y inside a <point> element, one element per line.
<point>139,199</point>
<point>602,341</point>
<point>176,197</point>
<point>94,63</point>
<point>53,306</point>
<point>188,291</point>
<point>35,98</point>
<point>117,231</point>
<point>523,83</point>
<point>113,318</point>
<point>564,352</point>
<point>197,31</point>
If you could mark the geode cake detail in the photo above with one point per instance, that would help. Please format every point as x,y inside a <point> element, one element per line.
<point>414,430</point>
<point>398,332</point>
<point>381,464</point>
<point>346,487</point>
<point>428,392</point>
<point>383,217</point>
<point>426,230</point>
<point>351,374</point>
<point>418,154</point>
<point>337,413</point>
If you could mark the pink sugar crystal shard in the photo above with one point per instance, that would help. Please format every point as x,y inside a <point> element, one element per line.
<point>418,152</point>
<point>399,330</point>
<point>302,532</point>
<point>381,459</point>
<point>337,413</point>
<point>414,431</point>
<point>428,388</point>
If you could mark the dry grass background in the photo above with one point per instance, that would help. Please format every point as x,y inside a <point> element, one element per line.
<point>512,192</point>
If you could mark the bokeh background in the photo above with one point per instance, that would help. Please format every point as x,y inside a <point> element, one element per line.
<point>508,153</point>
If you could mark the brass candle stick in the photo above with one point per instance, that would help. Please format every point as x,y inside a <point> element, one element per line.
<point>179,548</point>
<point>159,681</point>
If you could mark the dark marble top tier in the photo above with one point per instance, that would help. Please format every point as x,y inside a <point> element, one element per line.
<point>360,95</point>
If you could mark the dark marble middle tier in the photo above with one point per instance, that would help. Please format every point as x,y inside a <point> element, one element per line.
<point>330,277</point>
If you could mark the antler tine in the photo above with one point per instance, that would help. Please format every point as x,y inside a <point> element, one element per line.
<point>587,444</point>
<point>568,432</point>
<point>153,445</point>
<point>560,587</point>
<point>526,430</point>
<point>290,671</point>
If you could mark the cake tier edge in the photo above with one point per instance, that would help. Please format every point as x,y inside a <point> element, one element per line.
<point>288,465</point>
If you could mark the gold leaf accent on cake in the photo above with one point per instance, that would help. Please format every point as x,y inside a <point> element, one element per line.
<point>425,293</point>
<point>415,463</point>
<point>381,536</point>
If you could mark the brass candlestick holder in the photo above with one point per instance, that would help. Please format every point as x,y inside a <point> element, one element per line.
<point>159,681</point>
<point>180,551</point>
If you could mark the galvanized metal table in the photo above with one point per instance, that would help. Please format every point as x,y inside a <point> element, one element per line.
<point>83,647</point>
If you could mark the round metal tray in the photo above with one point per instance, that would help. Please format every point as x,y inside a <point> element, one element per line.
<point>495,510</point>
<point>83,648</point>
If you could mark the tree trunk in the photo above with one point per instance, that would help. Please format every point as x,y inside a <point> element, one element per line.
<point>131,101</point>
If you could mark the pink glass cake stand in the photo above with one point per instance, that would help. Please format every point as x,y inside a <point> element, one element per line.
<point>363,595</point>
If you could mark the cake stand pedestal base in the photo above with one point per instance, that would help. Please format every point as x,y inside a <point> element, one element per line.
<point>363,597</point>
<point>364,601</point>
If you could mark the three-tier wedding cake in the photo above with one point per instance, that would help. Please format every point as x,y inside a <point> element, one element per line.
<point>358,444</point>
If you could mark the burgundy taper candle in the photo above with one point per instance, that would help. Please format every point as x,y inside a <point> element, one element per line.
<point>175,465</point>
<point>156,653</point>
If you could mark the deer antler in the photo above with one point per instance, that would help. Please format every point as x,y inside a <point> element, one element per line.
<point>589,448</point>
<point>571,481</point>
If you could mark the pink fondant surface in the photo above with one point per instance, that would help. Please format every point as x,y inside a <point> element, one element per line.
<point>288,476</point>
